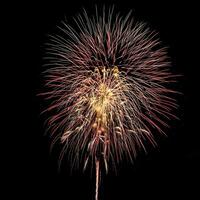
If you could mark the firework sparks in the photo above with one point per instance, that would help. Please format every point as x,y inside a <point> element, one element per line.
<point>109,89</point>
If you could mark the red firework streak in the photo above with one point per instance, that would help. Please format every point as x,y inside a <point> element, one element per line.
<point>108,81</point>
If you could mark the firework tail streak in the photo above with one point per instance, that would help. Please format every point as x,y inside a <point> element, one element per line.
<point>108,84</point>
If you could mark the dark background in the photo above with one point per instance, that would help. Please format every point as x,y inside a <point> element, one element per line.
<point>170,171</point>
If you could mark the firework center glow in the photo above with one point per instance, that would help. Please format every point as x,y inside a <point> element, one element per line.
<point>103,98</point>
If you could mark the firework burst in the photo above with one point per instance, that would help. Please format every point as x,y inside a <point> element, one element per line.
<point>109,88</point>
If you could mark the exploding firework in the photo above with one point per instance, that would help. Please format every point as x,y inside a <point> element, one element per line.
<point>108,82</point>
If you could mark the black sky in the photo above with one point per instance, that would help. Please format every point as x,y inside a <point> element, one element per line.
<point>170,171</point>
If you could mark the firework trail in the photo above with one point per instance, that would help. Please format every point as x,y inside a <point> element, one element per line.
<point>108,81</point>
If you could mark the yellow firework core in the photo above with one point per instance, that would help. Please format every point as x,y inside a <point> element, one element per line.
<point>103,98</point>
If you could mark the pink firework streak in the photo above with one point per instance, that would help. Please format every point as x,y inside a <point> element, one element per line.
<point>108,82</point>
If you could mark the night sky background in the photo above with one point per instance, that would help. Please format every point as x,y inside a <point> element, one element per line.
<point>170,171</point>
